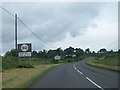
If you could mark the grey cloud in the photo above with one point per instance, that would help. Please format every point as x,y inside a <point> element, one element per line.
<point>50,21</point>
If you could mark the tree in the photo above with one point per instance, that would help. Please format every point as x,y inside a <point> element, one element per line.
<point>111,51</point>
<point>34,54</point>
<point>11,53</point>
<point>93,52</point>
<point>87,50</point>
<point>103,50</point>
<point>69,51</point>
<point>52,53</point>
<point>59,51</point>
<point>42,54</point>
<point>119,51</point>
<point>79,52</point>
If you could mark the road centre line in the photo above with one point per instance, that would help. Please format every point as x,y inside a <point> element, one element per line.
<point>94,83</point>
<point>74,66</point>
<point>79,71</point>
<point>76,69</point>
<point>88,78</point>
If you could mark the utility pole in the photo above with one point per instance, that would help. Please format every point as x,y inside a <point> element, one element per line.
<point>16,35</point>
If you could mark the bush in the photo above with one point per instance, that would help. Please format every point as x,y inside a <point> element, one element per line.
<point>24,65</point>
<point>9,62</point>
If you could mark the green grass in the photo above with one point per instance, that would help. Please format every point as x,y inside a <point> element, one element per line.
<point>109,62</point>
<point>21,73</point>
<point>11,62</point>
<point>24,77</point>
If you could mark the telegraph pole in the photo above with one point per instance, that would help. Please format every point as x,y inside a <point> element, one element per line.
<point>16,35</point>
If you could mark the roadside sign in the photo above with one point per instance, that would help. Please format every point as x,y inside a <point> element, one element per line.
<point>57,57</point>
<point>24,54</point>
<point>24,49</point>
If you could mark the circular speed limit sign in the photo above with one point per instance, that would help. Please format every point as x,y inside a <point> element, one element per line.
<point>24,47</point>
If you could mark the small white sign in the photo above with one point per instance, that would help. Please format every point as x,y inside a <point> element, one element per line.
<point>57,57</point>
<point>24,54</point>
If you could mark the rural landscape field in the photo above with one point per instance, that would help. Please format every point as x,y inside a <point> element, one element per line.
<point>25,73</point>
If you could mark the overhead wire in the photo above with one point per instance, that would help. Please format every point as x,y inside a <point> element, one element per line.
<point>7,11</point>
<point>24,25</point>
<point>30,30</point>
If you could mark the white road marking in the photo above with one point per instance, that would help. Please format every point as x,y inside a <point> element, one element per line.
<point>74,66</point>
<point>88,78</point>
<point>94,83</point>
<point>79,71</point>
<point>76,69</point>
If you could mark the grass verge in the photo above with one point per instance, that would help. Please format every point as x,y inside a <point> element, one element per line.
<point>24,77</point>
<point>106,62</point>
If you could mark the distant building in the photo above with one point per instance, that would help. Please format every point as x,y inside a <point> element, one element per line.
<point>73,55</point>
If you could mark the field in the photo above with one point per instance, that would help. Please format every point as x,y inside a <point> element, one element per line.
<point>21,73</point>
<point>11,62</point>
<point>24,77</point>
<point>109,62</point>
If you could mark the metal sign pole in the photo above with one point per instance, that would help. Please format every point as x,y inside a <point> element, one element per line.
<point>30,61</point>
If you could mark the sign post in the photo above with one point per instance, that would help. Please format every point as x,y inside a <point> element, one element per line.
<point>16,36</point>
<point>24,50</point>
<point>57,58</point>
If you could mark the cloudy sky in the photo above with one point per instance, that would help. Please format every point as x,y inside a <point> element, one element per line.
<point>83,25</point>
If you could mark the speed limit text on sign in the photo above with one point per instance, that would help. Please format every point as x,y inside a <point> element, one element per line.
<point>24,49</point>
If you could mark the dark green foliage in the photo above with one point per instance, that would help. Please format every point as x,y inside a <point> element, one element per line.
<point>9,62</point>
<point>69,51</point>
<point>103,50</point>
<point>87,50</point>
<point>11,53</point>
<point>119,51</point>
<point>79,52</point>
<point>47,57</point>
<point>56,61</point>
<point>34,54</point>
<point>24,65</point>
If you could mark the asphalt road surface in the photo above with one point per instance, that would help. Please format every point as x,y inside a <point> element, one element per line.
<point>78,75</point>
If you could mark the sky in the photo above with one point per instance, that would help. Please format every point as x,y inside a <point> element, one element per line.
<point>82,25</point>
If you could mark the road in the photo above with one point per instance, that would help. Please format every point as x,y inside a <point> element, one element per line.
<point>78,75</point>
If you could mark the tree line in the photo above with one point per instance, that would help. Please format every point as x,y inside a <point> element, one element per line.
<point>68,52</point>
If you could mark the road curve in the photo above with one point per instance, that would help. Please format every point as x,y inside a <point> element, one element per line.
<point>78,75</point>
